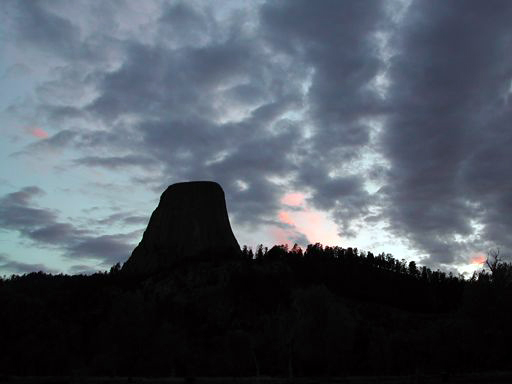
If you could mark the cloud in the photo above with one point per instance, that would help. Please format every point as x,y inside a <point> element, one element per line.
<point>115,162</point>
<point>384,114</point>
<point>478,258</point>
<point>284,217</point>
<point>302,224</point>
<point>82,269</point>
<point>337,42</point>
<point>19,212</point>
<point>15,71</point>
<point>107,248</point>
<point>124,218</point>
<point>209,108</point>
<point>293,199</point>
<point>38,27</point>
<point>17,267</point>
<point>56,141</point>
<point>38,132</point>
<point>290,236</point>
<point>445,139</point>
<point>252,99</point>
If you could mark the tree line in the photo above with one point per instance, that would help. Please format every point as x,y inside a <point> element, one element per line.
<point>322,311</point>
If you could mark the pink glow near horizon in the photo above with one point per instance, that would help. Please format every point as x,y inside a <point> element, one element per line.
<point>281,236</point>
<point>478,258</point>
<point>315,225</point>
<point>39,133</point>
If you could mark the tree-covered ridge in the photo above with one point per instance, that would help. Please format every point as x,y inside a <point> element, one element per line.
<point>364,276</point>
<point>280,312</point>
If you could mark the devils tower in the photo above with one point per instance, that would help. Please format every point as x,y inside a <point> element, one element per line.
<point>190,220</point>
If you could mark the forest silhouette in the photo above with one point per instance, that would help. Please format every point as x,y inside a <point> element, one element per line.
<point>324,311</point>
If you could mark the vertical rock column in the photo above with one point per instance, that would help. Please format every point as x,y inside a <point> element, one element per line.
<point>191,219</point>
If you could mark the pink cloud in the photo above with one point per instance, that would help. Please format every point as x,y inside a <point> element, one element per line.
<point>315,225</point>
<point>280,235</point>
<point>284,217</point>
<point>478,258</point>
<point>38,132</point>
<point>294,199</point>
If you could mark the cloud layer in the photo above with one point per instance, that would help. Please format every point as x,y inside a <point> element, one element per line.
<point>392,113</point>
<point>20,212</point>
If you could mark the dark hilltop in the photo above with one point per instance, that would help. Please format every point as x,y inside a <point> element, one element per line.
<point>190,303</point>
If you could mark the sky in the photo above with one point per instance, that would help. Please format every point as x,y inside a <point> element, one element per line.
<point>381,125</point>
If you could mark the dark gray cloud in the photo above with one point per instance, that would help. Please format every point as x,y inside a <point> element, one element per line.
<point>19,212</point>
<point>448,137</point>
<point>35,25</point>
<point>18,268</point>
<point>182,23</point>
<point>337,41</point>
<point>123,218</point>
<point>108,248</point>
<point>82,269</point>
<point>136,220</point>
<point>115,162</point>
<point>58,31</point>
<point>281,96</point>
<point>183,106</point>
<point>55,233</point>
<point>59,140</point>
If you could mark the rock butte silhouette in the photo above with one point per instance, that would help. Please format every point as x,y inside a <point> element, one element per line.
<point>190,220</point>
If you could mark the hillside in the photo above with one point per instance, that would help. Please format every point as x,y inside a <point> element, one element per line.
<point>324,312</point>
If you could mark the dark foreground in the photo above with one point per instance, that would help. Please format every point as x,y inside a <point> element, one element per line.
<point>327,312</point>
<point>480,378</point>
